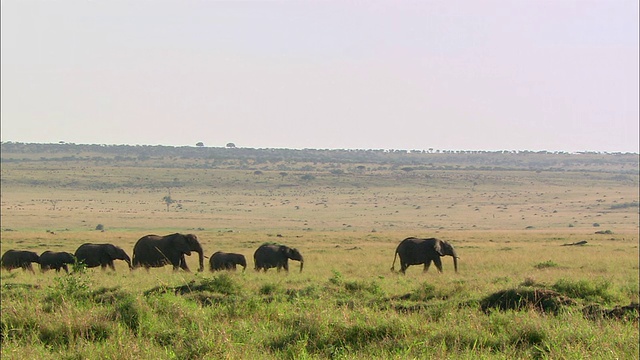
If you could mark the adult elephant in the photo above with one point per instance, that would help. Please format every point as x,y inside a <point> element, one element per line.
<point>414,251</point>
<point>56,260</point>
<point>273,255</point>
<point>157,251</point>
<point>102,255</point>
<point>226,261</point>
<point>13,259</point>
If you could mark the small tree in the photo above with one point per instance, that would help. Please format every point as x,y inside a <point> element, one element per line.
<point>168,200</point>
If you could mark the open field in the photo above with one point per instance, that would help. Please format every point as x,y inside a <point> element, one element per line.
<point>346,218</point>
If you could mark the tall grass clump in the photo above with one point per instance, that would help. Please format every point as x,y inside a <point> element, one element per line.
<point>599,291</point>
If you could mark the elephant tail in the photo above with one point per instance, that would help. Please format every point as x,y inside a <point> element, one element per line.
<point>394,261</point>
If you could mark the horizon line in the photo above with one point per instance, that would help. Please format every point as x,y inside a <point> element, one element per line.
<point>428,150</point>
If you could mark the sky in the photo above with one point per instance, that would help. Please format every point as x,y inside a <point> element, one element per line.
<point>451,75</point>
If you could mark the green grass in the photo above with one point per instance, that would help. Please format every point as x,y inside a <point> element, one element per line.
<point>223,315</point>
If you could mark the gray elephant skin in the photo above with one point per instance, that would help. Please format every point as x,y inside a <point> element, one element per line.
<point>273,255</point>
<point>102,255</point>
<point>414,251</point>
<point>226,261</point>
<point>158,251</point>
<point>13,259</point>
<point>56,260</point>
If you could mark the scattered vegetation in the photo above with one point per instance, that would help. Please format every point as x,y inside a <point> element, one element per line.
<point>546,264</point>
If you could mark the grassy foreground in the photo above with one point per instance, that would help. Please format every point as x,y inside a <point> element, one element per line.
<point>515,296</point>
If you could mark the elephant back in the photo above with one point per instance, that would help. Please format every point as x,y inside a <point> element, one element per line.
<point>157,251</point>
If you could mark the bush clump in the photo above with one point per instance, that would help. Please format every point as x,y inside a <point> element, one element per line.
<point>542,300</point>
<point>545,265</point>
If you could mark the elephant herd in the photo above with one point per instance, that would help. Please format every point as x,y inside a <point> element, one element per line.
<point>152,251</point>
<point>157,251</point>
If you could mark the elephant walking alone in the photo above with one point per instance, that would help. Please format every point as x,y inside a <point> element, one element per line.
<point>158,251</point>
<point>56,260</point>
<point>13,259</point>
<point>102,255</point>
<point>274,255</point>
<point>414,251</point>
<point>226,261</point>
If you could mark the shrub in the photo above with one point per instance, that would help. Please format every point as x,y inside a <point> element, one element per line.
<point>545,265</point>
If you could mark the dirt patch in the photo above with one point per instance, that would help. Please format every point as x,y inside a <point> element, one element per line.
<point>543,300</point>
<point>628,312</point>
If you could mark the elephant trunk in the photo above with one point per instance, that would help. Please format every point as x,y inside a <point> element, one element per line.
<point>301,265</point>
<point>200,259</point>
<point>128,261</point>
<point>455,260</point>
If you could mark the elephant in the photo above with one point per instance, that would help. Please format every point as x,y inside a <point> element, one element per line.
<point>274,255</point>
<point>13,259</point>
<point>157,251</point>
<point>56,260</point>
<point>226,261</point>
<point>102,255</point>
<point>414,251</point>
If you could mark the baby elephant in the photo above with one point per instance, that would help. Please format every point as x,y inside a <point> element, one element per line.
<point>13,259</point>
<point>56,260</point>
<point>226,261</point>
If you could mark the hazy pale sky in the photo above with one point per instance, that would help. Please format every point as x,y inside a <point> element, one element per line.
<point>452,75</point>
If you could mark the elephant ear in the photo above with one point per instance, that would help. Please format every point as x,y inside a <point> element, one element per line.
<point>182,243</point>
<point>438,247</point>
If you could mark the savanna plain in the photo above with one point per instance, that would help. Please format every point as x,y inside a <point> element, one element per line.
<point>521,290</point>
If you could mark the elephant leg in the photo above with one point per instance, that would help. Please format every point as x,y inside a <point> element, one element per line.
<point>66,269</point>
<point>30,268</point>
<point>183,264</point>
<point>438,263</point>
<point>103,266</point>
<point>426,265</point>
<point>113,267</point>
<point>403,267</point>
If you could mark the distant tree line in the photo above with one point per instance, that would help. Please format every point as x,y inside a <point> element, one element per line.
<point>403,159</point>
